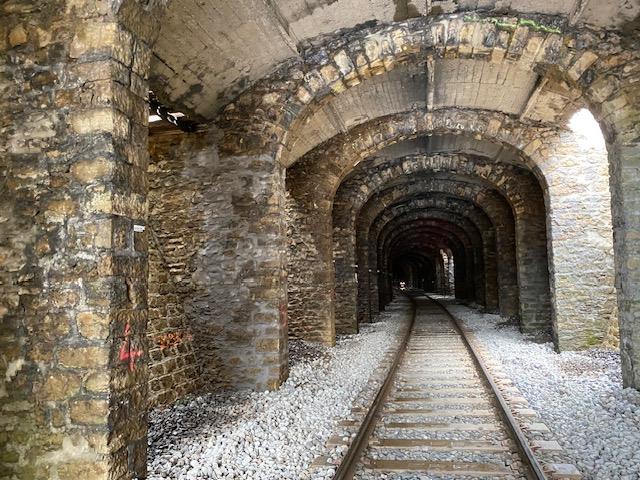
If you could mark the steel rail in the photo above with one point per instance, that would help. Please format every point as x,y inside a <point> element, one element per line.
<point>346,469</point>
<point>526,453</point>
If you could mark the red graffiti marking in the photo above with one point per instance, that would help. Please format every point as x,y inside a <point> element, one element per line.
<point>127,352</point>
<point>172,339</point>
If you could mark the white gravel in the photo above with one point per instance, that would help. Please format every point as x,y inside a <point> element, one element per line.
<point>579,396</point>
<point>270,435</point>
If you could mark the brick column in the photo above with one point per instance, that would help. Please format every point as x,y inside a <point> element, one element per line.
<point>580,243</point>
<point>73,290</point>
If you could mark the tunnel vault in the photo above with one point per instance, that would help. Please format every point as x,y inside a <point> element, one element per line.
<point>325,160</point>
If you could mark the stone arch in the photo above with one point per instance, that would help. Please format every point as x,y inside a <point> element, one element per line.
<point>485,214</point>
<point>492,203</point>
<point>412,251</point>
<point>454,245</point>
<point>514,183</point>
<point>474,222</point>
<point>279,101</point>
<point>596,75</point>
<point>458,225</point>
<point>539,147</point>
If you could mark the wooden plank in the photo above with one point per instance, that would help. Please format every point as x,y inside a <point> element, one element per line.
<point>440,467</point>
<point>439,445</point>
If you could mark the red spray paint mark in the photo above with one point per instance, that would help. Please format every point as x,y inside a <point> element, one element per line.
<point>127,352</point>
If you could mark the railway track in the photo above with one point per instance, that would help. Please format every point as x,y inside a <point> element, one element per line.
<point>438,415</point>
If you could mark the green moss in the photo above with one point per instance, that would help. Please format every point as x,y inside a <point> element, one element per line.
<point>592,340</point>
<point>539,27</point>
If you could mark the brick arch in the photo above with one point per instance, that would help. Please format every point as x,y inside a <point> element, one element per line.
<point>542,149</point>
<point>319,173</point>
<point>487,213</point>
<point>312,185</point>
<point>459,227</point>
<point>471,218</point>
<point>517,186</point>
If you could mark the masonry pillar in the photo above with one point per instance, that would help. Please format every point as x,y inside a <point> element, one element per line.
<point>490,271</point>
<point>73,290</point>
<point>626,210</point>
<point>241,320</point>
<point>580,242</point>
<point>346,279</point>
<point>311,274</point>
<point>624,161</point>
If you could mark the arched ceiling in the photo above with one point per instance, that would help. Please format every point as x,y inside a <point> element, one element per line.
<point>449,143</point>
<point>211,50</point>
<point>461,83</point>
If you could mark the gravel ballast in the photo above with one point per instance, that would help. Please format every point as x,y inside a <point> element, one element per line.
<point>578,395</point>
<point>270,435</point>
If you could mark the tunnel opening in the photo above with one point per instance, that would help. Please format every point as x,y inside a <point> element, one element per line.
<point>140,270</point>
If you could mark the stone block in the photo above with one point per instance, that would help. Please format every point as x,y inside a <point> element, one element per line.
<point>93,326</point>
<point>74,469</point>
<point>546,445</point>
<point>537,427</point>
<point>87,171</point>
<point>91,411</point>
<point>18,36</point>
<point>59,386</point>
<point>92,121</point>
<point>564,471</point>
<point>84,357</point>
<point>93,37</point>
<point>343,61</point>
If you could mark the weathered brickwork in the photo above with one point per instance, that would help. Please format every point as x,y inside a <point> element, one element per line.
<point>220,227</point>
<point>74,296</point>
<point>174,370</point>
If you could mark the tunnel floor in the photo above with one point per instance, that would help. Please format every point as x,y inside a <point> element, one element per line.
<point>301,430</point>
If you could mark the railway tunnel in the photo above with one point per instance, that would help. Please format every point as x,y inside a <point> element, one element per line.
<point>219,221</point>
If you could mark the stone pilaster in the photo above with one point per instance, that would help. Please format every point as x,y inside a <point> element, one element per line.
<point>73,289</point>
<point>580,243</point>
<point>310,268</point>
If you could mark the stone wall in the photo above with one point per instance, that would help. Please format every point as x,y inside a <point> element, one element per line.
<point>310,276</point>
<point>311,281</point>
<point>173,367</point>
<point>73,269</point>
<point>216,223</point>
<point>580,243</point>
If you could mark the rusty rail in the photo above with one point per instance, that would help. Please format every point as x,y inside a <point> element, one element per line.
<point>522,444</point>
<point>346,469</point>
